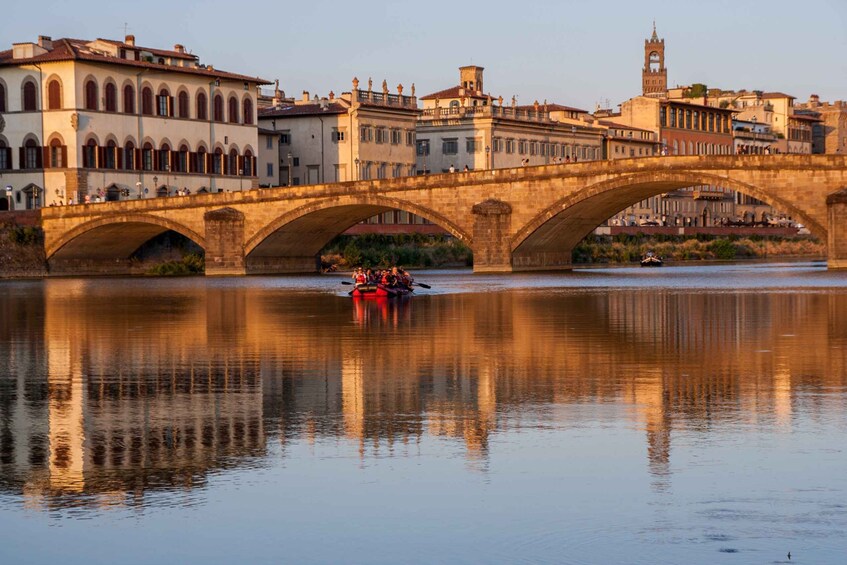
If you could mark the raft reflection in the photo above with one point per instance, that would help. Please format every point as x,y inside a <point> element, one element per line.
<point>110,393</point>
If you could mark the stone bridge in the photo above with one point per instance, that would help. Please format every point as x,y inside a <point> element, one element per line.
<point>513,219</point>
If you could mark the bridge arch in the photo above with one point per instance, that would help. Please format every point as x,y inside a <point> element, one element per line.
<point>113,238</point>
<point>304,231</point>
<point>567,221</point>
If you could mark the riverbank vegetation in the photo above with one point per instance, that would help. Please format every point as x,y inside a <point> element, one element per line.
<point>408,250</point>
<point>630,248</point>
<point>21,252</point>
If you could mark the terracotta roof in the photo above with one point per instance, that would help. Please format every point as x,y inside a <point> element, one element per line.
<point>76,50</point>
<point>266,131</point>
<point>159,52</point>
<point>303,110</point>
<point>453,92</point>
<point>616,125</point>
<point>768,95</point>
<point>806,117</point>
<point>551,107</point>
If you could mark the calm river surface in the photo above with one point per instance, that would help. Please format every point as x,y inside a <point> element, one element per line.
<point>677,415</point>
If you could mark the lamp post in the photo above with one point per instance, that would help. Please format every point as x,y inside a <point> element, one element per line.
<point>487,156</point>
<point>168,178</point>
<point>289,168</point>
<point>426,154</point>
<point>34,197</point>
<point>138,188</point>
<point>358,176</point>
<point>9,196</point>
<point>156,185</point>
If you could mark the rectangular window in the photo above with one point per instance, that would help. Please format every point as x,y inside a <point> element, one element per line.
<point>337,135</point>
<point>663,116</point>
<point>396,137</point>
<point>163,105</point>
<point>269,142</point>
<point>285,138</point>
<point>522,147</point>
<point>673,118</point>
<point>295,162</point>
<point>471,145</point>
<point>423,147</point>
<point>381,135</point>
<point>497,144</point>
<point>365,134</point>
<point>533,148</point>
<point>410,137</point>
<point>270,171</point>
<point>450,146</point>
<point>510,145</point>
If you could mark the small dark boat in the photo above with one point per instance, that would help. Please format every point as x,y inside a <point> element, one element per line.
<point>376,290</point>
<point>650,259</point>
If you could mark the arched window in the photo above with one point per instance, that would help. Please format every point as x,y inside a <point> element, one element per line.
<point>129,99</point>
<point>5,155</point>
<point>111,92</point>
<point>147,157</point>
<point>233,110</point>
<point>54,95</point>
<point>89,154</point>
<point>219,108</point>
<point>202,107</point>
<point>248,111</point>
<point>249,164</point>
<point>58,154</point>
<point>90,95</point>
<point>200,160</point>
<point>32,155</point>
<point>232,165</point>
<point>110,155</point>
<point>129,156</point>
<point>2,98</point>
<point>147,101</point>
<point>217,161</point>
<point>165,158</point>
<point>164,104</point>
<point>183,104</point>
<point>181,161</point>
<point>29,101</point>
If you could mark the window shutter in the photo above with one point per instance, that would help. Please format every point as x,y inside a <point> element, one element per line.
<point>253,172</point>
<point>101,157</point>
<point>119,158</point>
<point>239,163</point>
<point>22,158</point>
<point>208,162</point>
<point>64,152</point>
<point>137,159</point>
<point>171,106</point>
<point>44,158</point>
<point>155,160</point>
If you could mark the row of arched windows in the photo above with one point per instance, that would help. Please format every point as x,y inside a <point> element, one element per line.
<point>151,103</point>
<point>131,158</point>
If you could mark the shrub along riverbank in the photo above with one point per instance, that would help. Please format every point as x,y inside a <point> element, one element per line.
<point>408,250</point>
<point>21,252</point>
<point>630,248</point>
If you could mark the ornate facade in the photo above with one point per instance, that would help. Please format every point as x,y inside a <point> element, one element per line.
<point>84,121</point>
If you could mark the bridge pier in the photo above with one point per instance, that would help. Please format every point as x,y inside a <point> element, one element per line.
<point>224,242</point>
<point>836,243</point>
<point>491,228</point>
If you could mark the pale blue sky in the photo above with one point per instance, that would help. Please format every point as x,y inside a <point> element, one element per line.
<point>572,52</point>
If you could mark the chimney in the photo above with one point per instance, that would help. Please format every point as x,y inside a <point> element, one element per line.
<point>305,96</point>
<point>45,42</point>
<point>130,40</point>
<point>179,48</point>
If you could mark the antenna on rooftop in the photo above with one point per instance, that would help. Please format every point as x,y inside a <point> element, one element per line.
<point>126,28</point>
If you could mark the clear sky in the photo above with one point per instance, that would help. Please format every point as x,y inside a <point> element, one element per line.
<point>572,52</point>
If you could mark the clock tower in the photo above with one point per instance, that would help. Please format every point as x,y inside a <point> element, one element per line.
<point>654,76</point>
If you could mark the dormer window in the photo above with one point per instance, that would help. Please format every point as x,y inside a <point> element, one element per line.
<point>161,60</point>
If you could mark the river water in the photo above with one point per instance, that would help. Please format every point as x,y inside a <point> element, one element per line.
<point>676,415</point>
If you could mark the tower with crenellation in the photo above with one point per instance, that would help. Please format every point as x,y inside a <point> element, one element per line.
<point>654,76</point>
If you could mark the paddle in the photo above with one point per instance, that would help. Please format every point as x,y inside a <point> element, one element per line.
<point>347,282</point>
<point>422,285</point>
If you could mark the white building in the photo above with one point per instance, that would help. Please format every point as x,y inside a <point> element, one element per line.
<point>105,119</point>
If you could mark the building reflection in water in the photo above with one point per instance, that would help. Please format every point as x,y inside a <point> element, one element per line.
<point>110,392</point>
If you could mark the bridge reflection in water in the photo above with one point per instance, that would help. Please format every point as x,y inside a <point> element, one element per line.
<point>112,392</point>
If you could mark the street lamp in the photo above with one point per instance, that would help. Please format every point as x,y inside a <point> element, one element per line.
<point>488,156</point>
<point>357,169</point>
<point>138,188</point>
<point>34,197</point>
<point>9,196</point>
<point>156,185</point>
<point>573,143</point>
<point>289,168</point>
